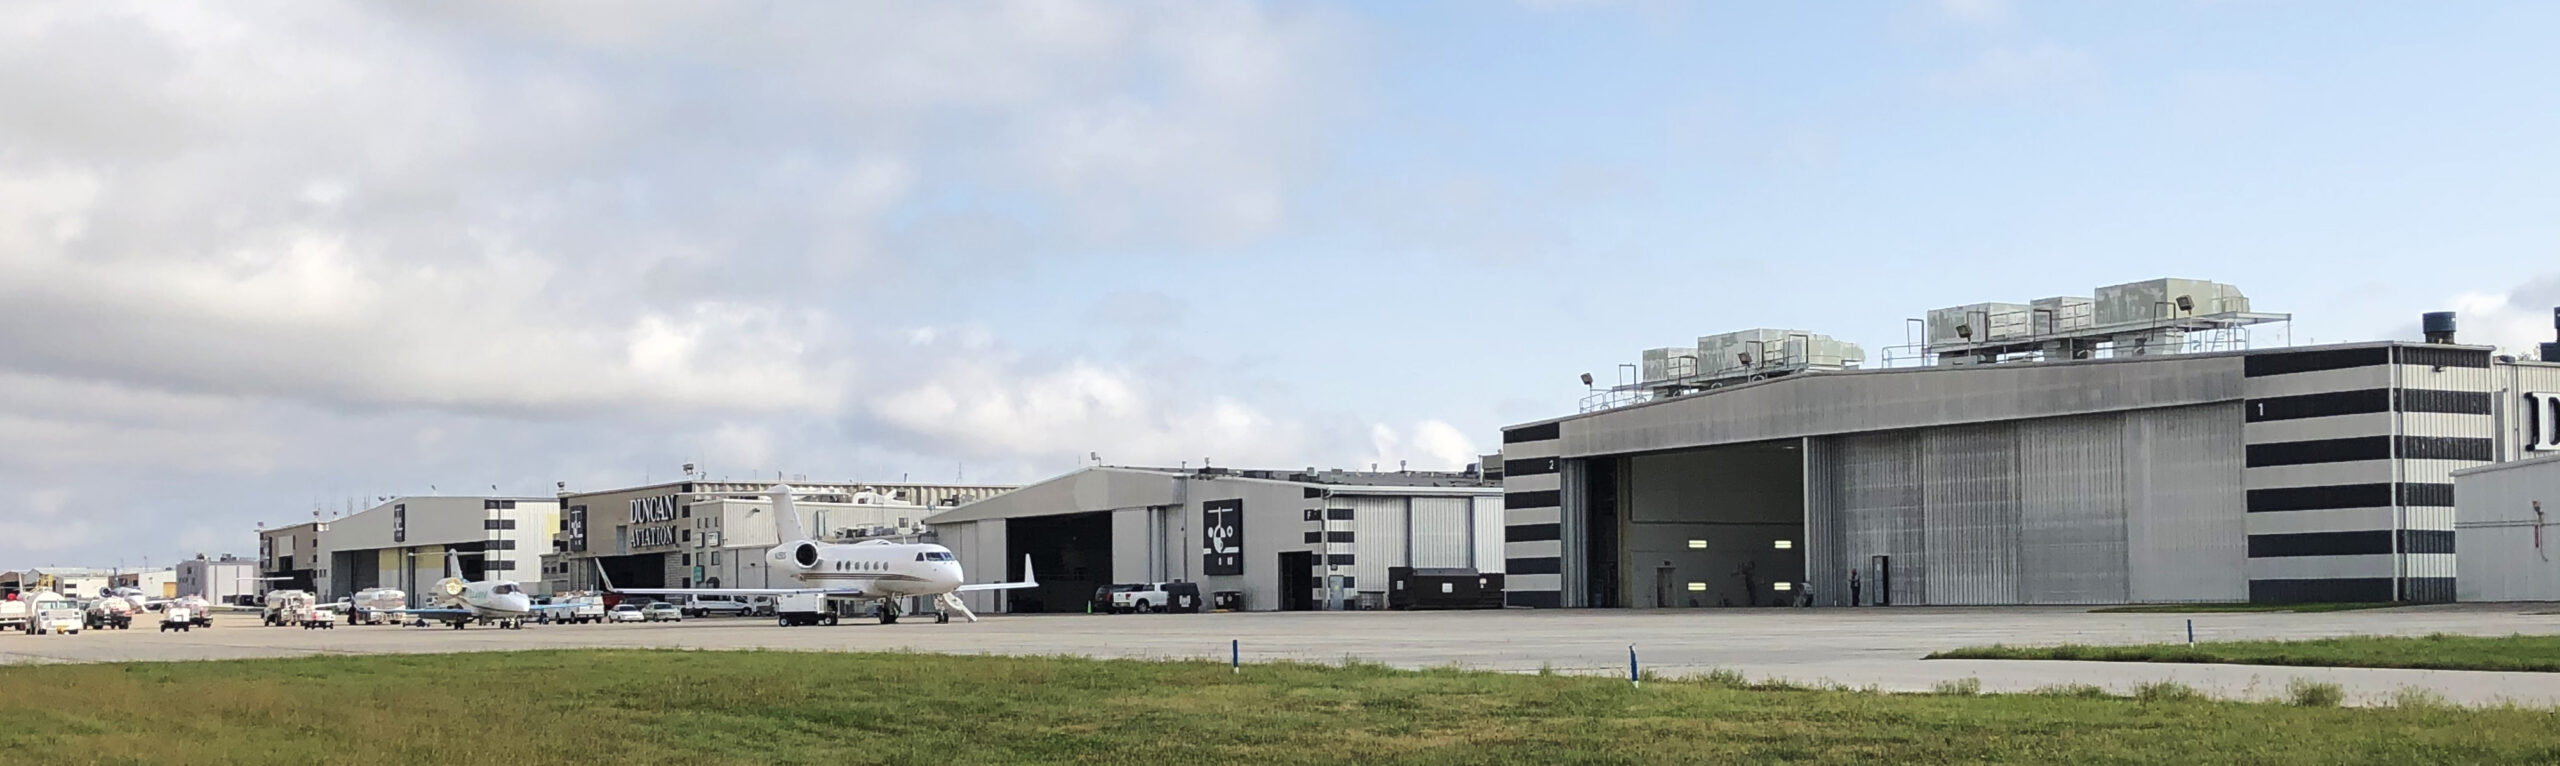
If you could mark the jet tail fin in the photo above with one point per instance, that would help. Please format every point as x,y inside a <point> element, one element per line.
<point>1030,579</point>
<point>786,517</point>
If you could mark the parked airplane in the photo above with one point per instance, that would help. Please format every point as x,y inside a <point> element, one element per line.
<point>460,602</point>
<point>872,570</point>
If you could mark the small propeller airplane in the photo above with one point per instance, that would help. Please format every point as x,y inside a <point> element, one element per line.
<point>873,570</point>
<point>460,602</point>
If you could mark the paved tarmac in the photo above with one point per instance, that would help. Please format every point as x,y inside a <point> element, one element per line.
<point>1854,647</point>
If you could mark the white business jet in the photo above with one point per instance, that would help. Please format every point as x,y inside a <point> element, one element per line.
<point>873,570</point>
<point>460,602</point>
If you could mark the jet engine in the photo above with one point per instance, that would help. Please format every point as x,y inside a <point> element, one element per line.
<point>805,554</point>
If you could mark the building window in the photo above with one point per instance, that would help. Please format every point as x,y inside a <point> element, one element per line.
<point>497,523</point>
<point>688,559</point>
<point>687,534</point>
<point>715,558</point>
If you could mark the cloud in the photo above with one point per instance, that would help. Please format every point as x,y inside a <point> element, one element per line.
<point>2517,321</point>
<point>254,256</point>
<point>1430,445</point>
<point>2010,72</point>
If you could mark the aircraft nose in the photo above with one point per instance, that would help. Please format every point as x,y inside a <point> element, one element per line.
<point>518,602</point>
<point>947,574</point>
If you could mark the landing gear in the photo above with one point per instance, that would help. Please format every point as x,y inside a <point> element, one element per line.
<point>941,618</point>
<point>888,612</point>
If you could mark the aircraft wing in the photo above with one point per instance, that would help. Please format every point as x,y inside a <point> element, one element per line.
<point>555,607</point>
<point>607,581</point>
<point>1030,579</point>
<point>435,613</point>
<point>830,592</point>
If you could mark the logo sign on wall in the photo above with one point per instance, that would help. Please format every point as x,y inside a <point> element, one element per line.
<point>1222,533</point>
<point>400,523</point>
<point>577,527</point>
<point>653,510</point>
<point>2542,422</point>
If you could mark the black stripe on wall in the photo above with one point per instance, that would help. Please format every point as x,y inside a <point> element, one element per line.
<point>2428,494</point>
<point>2433,495</point>
<point>1537,433</point>
<point>1529,466</point>
<point>2426,541</point>
<point>2340,590</point>
<point>2427,590</point>
<point>1314,537</point>
<point>1340,560</point>
<point>2438,356</point>
<point>2446,448</point>
<point>1529,533</point>
<point>2320,544</point>
<point>2287,363</point>
<point>2449,402</point>
<point>2318,498</point>
<point>2323,405</point>
<point>1533,566</point>
<point>2320,451</point>
<point>1545,498</point>
<point>1534,599</point>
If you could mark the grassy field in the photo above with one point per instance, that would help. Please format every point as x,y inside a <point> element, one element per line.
<point>625,707</point>
<point>2220,608</point>
<point>2436,652</point>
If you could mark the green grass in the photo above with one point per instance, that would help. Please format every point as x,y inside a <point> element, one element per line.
<point>651,706</point>
<point>2216,608</point>
<point>2436,652</point>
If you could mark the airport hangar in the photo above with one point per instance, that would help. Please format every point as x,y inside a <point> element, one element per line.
<point>404,542</point>
<point>2299,474</point>
<point>1276,540</point>
<point>714,533</point>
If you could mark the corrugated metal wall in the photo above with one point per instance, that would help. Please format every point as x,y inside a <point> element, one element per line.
<point>2186,522</point>
<point>1487,556</point>
<point>1131,540</point>
<point>1377,530</point>
<point>2508,553</point>
<point>2071,537</point>
<point>1969,511</point>
<point>2143,506</point>
<point>1878,496</point>
<point>1443,531</point>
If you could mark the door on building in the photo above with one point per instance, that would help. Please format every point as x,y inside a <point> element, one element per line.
<point>1298,581</point>
<point>1880,577</point>
<point>1666,587</point>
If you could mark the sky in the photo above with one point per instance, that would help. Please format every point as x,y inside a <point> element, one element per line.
<point>261,260</point>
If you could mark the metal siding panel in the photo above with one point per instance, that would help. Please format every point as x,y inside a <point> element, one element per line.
<point>2071,535</point>
<point>1129,545</point>
<point>1487,553</point>
<point>1817,404</point>
<point>1969,504</point>
<point>1377,539</point>
<point>2503,556</point>
<point>2186,527</point>
<point>1442,531</point>
<point>1878,500</point>
<point>1826,537</point>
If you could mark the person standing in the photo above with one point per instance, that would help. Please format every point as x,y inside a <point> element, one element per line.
<point>1854,587</point>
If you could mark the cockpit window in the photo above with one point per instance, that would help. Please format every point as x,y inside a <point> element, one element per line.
<point>935,556</point>
<point>505,588</point>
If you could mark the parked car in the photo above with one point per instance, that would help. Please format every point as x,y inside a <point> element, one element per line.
<point>626,613</point>
<point>662,612</point>
<point>1143,597</point>
<point>729,606</point>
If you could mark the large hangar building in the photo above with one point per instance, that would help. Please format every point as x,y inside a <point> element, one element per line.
<point>2075,455</point>
<point>1279,540</point>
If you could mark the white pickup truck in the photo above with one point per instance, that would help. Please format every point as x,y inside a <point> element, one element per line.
<point>56,614</point>
<point>15,613</point>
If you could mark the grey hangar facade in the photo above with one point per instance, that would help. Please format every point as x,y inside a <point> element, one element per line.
<point>2302,474</point>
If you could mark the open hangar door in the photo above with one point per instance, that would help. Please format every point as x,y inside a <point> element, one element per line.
<point>643,570</point>
<point>1072,553</point>
<point>1714,527</point>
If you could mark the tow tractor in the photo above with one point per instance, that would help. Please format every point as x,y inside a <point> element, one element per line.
<point>320,618</point>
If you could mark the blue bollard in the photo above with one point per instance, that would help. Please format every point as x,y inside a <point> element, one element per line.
<point>1635,677</point>
<point>2191,632</point>
<point>1235,656</point>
